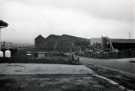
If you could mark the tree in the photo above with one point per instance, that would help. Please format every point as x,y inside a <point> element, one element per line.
<point>3,24</point>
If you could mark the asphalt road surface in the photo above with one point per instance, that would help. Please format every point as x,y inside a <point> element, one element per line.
<point>118,64</point>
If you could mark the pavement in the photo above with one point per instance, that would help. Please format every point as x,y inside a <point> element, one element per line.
<point>29,69</point>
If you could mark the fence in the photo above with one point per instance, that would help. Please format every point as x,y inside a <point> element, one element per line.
<point>121,54</point>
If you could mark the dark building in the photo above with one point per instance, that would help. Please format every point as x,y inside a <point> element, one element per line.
<point>39,42</point>
<point>110,43</point>
<point>123,44</point>
<point>64,43</point>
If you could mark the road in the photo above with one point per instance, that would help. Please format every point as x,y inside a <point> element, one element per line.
<point>118,64</point>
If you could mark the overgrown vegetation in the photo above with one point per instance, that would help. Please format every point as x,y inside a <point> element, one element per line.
<point>122,79</point>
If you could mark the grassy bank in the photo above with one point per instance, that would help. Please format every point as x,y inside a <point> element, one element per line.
<point>123,79</point>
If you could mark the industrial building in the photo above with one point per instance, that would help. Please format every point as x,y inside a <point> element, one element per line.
<point>110,43</point>
<point>63,43</point>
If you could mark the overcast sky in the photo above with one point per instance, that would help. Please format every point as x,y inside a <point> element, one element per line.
<point>84,18</point>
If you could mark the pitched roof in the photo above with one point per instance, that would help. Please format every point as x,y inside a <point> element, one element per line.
<point>39,37</point>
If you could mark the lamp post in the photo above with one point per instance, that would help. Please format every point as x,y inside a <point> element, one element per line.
<point>3,24</point>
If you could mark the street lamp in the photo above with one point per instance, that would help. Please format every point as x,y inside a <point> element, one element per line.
<point>3,24</point>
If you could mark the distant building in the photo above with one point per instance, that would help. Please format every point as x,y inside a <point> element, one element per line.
<point>63,43</point>
<point>8,45</point>
<point>110,43</point>
<point>122,44</point>
<point>39,42</point>
<point>95,41</point>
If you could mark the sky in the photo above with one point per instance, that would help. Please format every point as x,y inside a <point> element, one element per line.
<point>83,18</point>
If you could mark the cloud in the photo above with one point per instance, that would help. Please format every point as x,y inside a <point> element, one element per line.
<point>84,18</point>
<point>115,9</point>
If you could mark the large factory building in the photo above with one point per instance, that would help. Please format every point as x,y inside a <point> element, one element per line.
<point>110,43</point>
